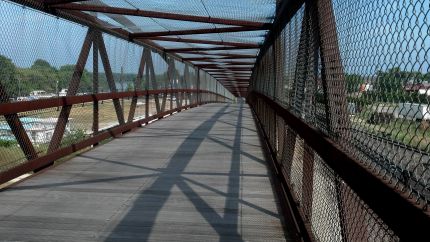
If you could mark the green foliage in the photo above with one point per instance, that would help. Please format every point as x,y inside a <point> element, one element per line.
<point>43,76</point>
<point>7,75</point>
<point>73,137</point>
<point>7,143</point>
<point>40,64</point>
<point>353,82</point>
<point>394,79</point>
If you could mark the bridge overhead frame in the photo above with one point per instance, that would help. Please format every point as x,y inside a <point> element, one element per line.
<point>344,174</point>
<point>150,97</point>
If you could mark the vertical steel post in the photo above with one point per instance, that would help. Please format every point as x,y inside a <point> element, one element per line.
<point>109,76</point>
<point>150,66</point>
<point>296,98</point>
<point>95,88</point>
<point>72,90</point>
<point>147,75</point>
<point>351,218</point>
<point>137,87</point>
<point>17,128</point>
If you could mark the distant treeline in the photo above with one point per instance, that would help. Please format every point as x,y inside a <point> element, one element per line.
<point>388,86</point>
<point>42,76</point>
<point>392,80</point>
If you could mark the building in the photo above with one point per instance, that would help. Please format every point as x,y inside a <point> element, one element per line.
<point>421,88</point>
<point>40,94</point>
<point>39,130</point>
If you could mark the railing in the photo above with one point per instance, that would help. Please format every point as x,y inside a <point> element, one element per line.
<point>12,109</point>
<point>336,196</point>
<point>341,91</point>
<point>108,85</point>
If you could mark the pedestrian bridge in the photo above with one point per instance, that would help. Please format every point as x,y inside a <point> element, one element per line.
<point>199,175</point>
<point>203,120</point>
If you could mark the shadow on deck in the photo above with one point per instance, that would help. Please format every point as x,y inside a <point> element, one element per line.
<point>199,175</point>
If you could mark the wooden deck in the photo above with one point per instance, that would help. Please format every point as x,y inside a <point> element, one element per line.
<point>199,175</point>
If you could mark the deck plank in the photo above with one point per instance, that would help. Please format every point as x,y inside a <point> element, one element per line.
<point>199,175</point>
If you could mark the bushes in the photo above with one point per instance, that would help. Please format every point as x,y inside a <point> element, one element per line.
<point>73,137</point>
<point>8,143</point>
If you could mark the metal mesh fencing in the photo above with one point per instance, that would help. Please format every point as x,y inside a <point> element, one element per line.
<point>332,210</point>
<point>74,82</point>
<point>358,72</point>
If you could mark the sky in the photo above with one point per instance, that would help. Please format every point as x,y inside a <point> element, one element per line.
<point>373,35</point>
<point>379,34</point>
<point>28,35</point>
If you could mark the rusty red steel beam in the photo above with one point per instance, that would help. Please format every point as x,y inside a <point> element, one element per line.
<point>21,136</point>
<point>154,84</point>
<point>137,87</point>
<point>194,31</point>
<point>109,75</point>
<point>410,221</point>
<point>161,15</point>
<point>17,127</point>
<point>307,181</point>
<point>25,106</point>
<point>185,50</point>
<point>96,115</point>
<point>201,41</point>
<point>90,21</point>
<point>72,90</point>
<point>43,161</point>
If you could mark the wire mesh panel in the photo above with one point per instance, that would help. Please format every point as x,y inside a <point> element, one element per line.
<point>356,71</point>
<point>65,86</point>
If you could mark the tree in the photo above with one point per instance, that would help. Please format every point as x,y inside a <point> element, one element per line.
<point>390,81</point>
<point>8,76</point>
<point>42,64</point>
<point>353,82</point>
<point>65,74</point>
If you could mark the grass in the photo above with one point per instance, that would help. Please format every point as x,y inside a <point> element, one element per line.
<point>81,119</point>
<point>405,131</point>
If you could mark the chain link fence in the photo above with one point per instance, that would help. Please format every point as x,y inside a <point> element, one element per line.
<point>45,59</point>
<point>358,71</point>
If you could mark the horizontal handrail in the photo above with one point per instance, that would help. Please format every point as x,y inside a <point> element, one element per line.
<point>408,219</point>
<point>25,106</point>
<point>42,161</point>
